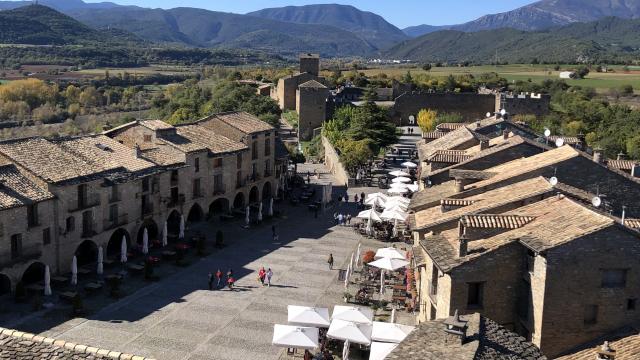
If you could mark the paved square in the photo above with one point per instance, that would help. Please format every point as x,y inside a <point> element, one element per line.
<point>177,318</point>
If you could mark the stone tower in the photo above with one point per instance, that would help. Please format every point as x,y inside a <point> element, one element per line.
<point>311,105</point>
<point>310,63</point>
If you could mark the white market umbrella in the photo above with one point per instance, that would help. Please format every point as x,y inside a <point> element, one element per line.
<point>390,252</point>
<point>394,214</point>
<point>346,276</point>
<point>376,195</point>
<point>345,350</point>
<point>398,190</point>
<point>380,350</point>
<point>398,199</point>
<point>369,215</point>
<point>74,271</point>
<point>358,255</point>
<point>123,250</point>
<point>393,315</point>
<point>390,332</point>
<point>181,234</point>
<point>375,201</point>
<point>295,336</point>
<point>145,241</point>
<point>360,315</point>
<point>396,207</point>
<point>164,235</point>
<point>271,207</point>
<point>398,186</point>
<point>387,264</point>
<point>401,179</point>
<point>100,269</point>
<point>413,187</point>
<point>247,215</point>
<point>409,165</point>
<point>260,212</point>
<point>47,281</point>
<point>350,331</point>
<point>308,316</point>
<point>398,173</point>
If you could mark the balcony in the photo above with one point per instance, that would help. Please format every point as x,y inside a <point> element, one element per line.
<point>176,201</point>
<point>147,209</point>
<point>218,191</point>
<point>119,220</point>
<point>88,201</point>
<point>173,181</point>
<point>89,229</point>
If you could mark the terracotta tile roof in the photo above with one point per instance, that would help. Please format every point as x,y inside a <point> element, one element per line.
<point>490,221</point>
<point>457,202</point>
<point>164,155</point>
<point>449,156</point>
<point>625,342</point>
<point>449,141</point>
<point>632,223</point>
<point>201,138</point>
<point>17,345</point>
<point>622,164</point>
<point>432,195</point>
<point>449,126</point>
<point>483,202</point>
<point>486,340</point>
<point>17,190</point>
<point>433,134</point>
<point>526,165</point>
<point>569,140</point>
<point>243,121</point>
<point>76,159</point>
<point>156,125</point>
<point>312,84</point>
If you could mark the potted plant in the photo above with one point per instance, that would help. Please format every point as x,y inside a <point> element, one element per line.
<point>347,297</point>
<point>368,257</point>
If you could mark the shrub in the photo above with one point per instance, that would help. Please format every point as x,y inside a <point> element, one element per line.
<point>368,257</point>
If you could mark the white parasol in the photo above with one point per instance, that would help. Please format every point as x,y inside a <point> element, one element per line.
<point>401,179</point>
<point>360,315</point>
<point>100,268</point>
<point>123,250</point>
<point>350,331</point>
<point>409,165</point>
<point>395,190</point>
<point>164,235</point>
<point>47,281</point>
<point>181,235</point>
<point>398,173</point>
<point>74,271</point>
<point>308,316</point>
<point>295,336</point>
<point>145,241</point>
<point>380,350</point>
<point>390,252</point>
<point>390,332</point>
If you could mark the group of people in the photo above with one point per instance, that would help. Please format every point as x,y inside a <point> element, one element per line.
<point>265,276</point>
<point>342,219</point>
<point>217,278</point>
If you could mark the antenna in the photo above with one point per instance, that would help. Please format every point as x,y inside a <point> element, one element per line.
<point>559,142</point>
<point>553,181</point>
<point>623,211</point>
<point>547,132</point>
<point>596,201</point>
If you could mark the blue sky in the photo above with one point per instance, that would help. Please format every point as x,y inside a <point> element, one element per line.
<point>401,13</point>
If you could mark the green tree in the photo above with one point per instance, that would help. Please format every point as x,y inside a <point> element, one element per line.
<point>426,67</point>
<point>633,147</point>
<point>354,154</point>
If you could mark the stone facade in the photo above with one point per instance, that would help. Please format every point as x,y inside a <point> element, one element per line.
<point>311,104</point>
<point>523,104</point>
<point>140,176</point>
<point>310,63</point>
<point>471,106</point>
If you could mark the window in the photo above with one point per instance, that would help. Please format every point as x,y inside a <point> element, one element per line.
<point>174,177</point>
<point>218,187</point>
<point>590,314</point>
<point>16,246</point>
<point>267,147</point>
<point>114,193</point>
<point>70,224</point>
<point>614,278</point>
<point>196,164</point>
<point>147,138</point>
<point>239,161</point>
<point>82,195</point>
<point>631,304</point>
<point>145,184</point>
<point>239,179</point>
<point>434,280</point>
<point>474,296</point>
<point>254,171</point>
<point>113,213</point>
<point>254,150</point>
<point>32,215</point>
<point>87,224</point>
<point>217,163</point>
<point>196,187</point>
<point>46,236</point>
<point>267,168</point>
<point>531,261</point>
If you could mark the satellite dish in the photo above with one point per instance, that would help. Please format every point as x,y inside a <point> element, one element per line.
<point>503,112</point>
<point>559,142</point>
<point>488,114</point>
<point>412,118</point>
<point>596,201</point>
<point>547,132</point>
<point>553,181</point>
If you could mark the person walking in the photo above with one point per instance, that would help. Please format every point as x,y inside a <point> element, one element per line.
<point>210,281</point>
<point>330,261</point>
<point>229,274</point>
<point>269,275</point>
<point>230,282</point>
<point>348,219</point>
<point>355,198</point>
<point>261,275</point>
<point>340,219</point>
<point>218,278</point>
<point>346,197</point>
<point>273,233</point>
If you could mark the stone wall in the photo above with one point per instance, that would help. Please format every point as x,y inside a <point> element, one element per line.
<point>524,104</point>
<point>471,106</point>
<point>332,160</point>
<point>311,104</point>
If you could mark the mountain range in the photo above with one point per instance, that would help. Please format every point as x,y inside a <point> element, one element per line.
<point>338,30</point>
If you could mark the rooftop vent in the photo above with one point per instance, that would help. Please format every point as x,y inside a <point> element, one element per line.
<point>103,147</point>
<point>455,330</point>
<point>606,352</point>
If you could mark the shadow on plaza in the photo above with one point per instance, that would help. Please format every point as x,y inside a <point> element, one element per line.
<point>243,246</point>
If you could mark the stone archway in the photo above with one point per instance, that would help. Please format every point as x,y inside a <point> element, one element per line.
<point>152,231</point>
<point>254,195</point>
<point>218,207</point>
<point>195,214</point>
<point>173,224</point>
<point>115,242</point>
<point>238,201</point>
<point>87,253</point>
<point>33,274</point>
<point>5,285</point>
<point>266,191</point>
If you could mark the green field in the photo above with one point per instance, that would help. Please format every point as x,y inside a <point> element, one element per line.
<point>537,73</point>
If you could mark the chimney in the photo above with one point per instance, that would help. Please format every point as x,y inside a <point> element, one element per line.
<point>582,141</point>
<point>459,184</point>
<point>635,170</point>
<point>137,152</point>
<point>621,156</point>
<point>455,330</point>
<point>484,144</point>
<point>598,155</point>
<point>505,134</point>
<point>462,245</point>
<point>606,352</point>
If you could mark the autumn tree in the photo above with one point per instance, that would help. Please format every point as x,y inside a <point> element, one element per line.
<point>427,120</point>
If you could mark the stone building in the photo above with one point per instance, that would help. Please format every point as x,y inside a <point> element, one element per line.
<point>311,102</point>
<point>68,196</point>
<point>285,91</point>
<point>517,262</point>
<point>310,63</point>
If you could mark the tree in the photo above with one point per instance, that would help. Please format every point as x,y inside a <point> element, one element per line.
<point>407,78</point>
<point>426,67</point>
<point>427,120</point>
<point>354,154</point>
<point>626,90</point>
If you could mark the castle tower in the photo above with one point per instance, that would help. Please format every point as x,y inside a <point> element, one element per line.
<point>311,105</point>
<point>310,63</point>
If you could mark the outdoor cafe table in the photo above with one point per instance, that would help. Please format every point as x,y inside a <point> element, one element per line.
<point>92,286</point>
